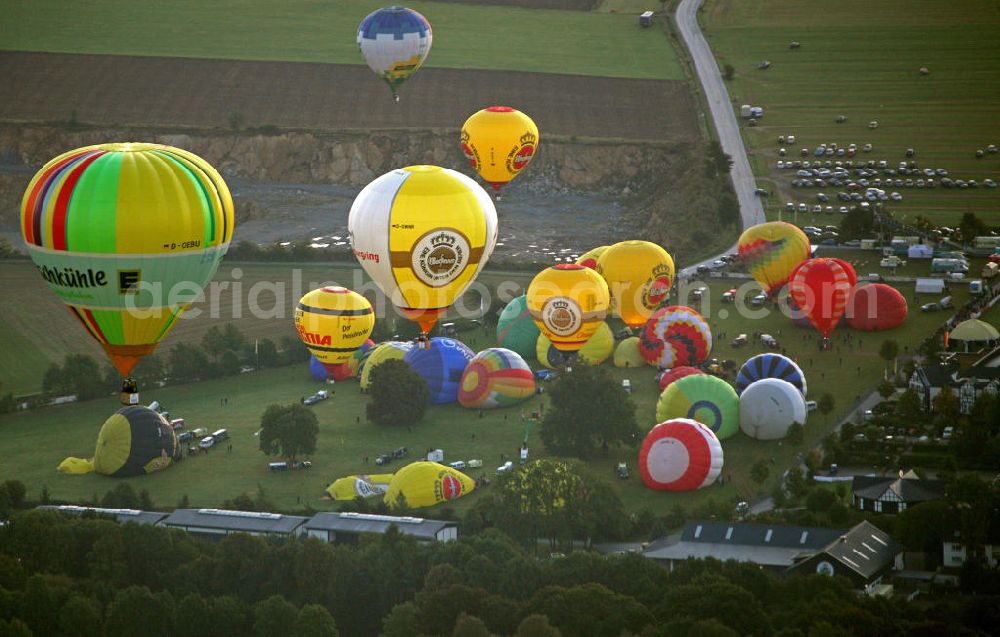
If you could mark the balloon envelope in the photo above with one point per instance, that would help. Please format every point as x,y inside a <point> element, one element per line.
<point>316,369</point>
<point>627,353</point>
<point>441,366</point>
<point>639,275</point>
<point>771,251</point>
<point>127,235</point>
<point>876,307</point>
<point>677,373</point>
<point>359,486</point>
<point>675,336</point>
<point>768,407</point>
<point>499,143</point>
<point>134,441</point>
<point>770,366</point>
<point>496,377</point>
<point>388,350</point>
<point>821,288</point>
<point>589,258</point>
<point>680,455</point>
<point>516,330</point>
<point>349,368</point>
<point>394,41</point>
<point>333,322</point>
<point>568,303</point>
<point>595,351</point>
<point>706,399</point>
<point>422,233</point>
<point>422,484</point>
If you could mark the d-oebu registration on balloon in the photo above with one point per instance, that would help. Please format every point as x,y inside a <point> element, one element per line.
<point>127,235</point>
<point>423,233</point>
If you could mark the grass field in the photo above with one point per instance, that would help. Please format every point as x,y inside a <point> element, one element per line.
<point>35,442</point>
<point>862,60</point>
<point>465,36</point>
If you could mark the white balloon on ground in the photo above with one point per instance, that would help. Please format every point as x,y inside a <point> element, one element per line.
<point>769,406</point>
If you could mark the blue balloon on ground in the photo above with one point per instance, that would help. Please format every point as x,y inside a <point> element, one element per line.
<point>770,366</point>
<point>316,369</point>
<point>441,366</point>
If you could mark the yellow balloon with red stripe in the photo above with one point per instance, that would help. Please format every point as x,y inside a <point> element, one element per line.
<point>639,276</point>
<point>127,235</point>
<point>423,233</point>
<point>333,322</point>
<point>499,142</point>
<point>590,257</point>
<point>568,303</point>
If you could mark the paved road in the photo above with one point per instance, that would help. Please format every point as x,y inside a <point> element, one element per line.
<point>723,116</point>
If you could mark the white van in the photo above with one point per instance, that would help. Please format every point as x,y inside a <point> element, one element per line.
<point>206,442</point>
<point>627,386</point>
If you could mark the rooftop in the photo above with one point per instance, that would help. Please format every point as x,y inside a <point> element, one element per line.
<point>122,515</point>
<point>906,489</point>
<point>371,523</point>
<point>246,521</point>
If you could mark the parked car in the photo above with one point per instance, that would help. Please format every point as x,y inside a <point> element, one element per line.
<point>739,341</point>
<point>206,442</point>
<point>758,300</point>
<point>930,307</point>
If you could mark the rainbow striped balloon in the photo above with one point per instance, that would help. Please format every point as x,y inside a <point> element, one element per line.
<point>675,336</point>
<point>127,235</point>
<point>496,377</point>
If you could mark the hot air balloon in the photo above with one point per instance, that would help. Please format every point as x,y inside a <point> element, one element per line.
<point>394,41</point>
<point>677,373</point>
<point>627,353</point>
<point>422,233</point>
<point>134,441</point>
<point>333,322</point>
<point>495,377</point>
<point>639,275</point>
<point>706,399</point>
<point>770,366</point>
<point>359,486</point>
<point>589,258</point>
<point>771,251</point>
<point>674,336</point>
<point>595,351</point>
<point>516,330</point>
<point>821,288</point>
<point>680,455</point>
<point>317,369</point>
<point>127,235</point>
<point>349,368</point>
<point>568,303</point>
<point>422,484</point>
<point>390,350</point>
<point>876,307</point>
<point>441,366</point>
<point>769,406</point>
<point>499,142</point>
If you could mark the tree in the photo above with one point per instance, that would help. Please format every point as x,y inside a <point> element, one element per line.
<point>945,404</point>
<point>886,389</point>
<point>825,405</point>
<point>588,409</point>
<point>728,72</point>
<point>314,621</point>
<point>80,616</point>
<point>273,616</point>
<point>856,224</point>
<point>229,364</point>
<point>537,626</point>
<point>719,163</point>
<point>971,227</point>
<point>399,396</point>
<point>295,351</point>
<point>889,350</point>
<point>288,431</point>
<point>796,433</point>
<point>820,500</point>
<point>79,375</point>
<point>402,621</point>
<point>136,611</point>
<point>909,409</point>
<point>267,353</point>
<point>760,470</point>
<point>470,626</point>
<point>187,363</point>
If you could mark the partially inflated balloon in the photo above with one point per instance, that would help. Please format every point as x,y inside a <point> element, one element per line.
<point>589,258</point>
<point>333,322</point>
<point>707,399</point>
<point>568,303</point>
<point>423,484</point>
<point>349,368</point>
<point>499,142</point>
<point>133,442</point>
<point>627,353</point>
<point>768,407</point>
<point>770,366</point>
<point>821,288</point>
<point>516,330</point>
<point>639,275</point>
<point>394,41</point>
<point>680,455</point>
<point>441,366</point>
<point>359,486</point>
<point>127,235</point>
<point>390,350</point>
<point>771,251</point>
<point>423,234</point>
<point>876,307</point>
<point>496,377</point>
<point>595,351</point>
<point>675,336</point>
<point>676,373</point>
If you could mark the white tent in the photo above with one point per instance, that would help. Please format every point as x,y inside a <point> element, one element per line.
<point>920,251</point>
<point>930,286</point>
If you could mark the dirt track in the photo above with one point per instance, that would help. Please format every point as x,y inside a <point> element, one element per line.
<point>136,91</point>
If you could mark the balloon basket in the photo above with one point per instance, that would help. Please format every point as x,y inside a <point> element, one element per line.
<point>395,97</point>
<point>129,399</point>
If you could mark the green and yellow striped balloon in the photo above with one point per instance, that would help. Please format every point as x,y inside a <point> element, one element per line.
<point>127,235</point>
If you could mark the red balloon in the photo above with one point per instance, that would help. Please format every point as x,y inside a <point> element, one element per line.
<point>677,373</point>
<point>876,307</point>
<point>680,455</point>
<point>822,289</point>
<point>852,276</point>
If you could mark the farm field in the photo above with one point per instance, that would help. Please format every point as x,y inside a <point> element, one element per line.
<point>466,36</point>
<point>38,440</point>
<point>864,63</point>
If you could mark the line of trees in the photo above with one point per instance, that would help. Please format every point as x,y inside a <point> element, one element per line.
<point>92,576</point>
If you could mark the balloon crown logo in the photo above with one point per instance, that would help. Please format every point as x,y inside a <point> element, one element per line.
<point>528,139</point>
<point>661,269</point>
<point>443,239</point>
<point>440,256</point>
